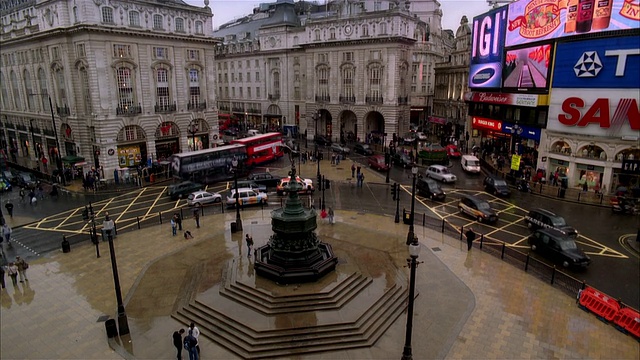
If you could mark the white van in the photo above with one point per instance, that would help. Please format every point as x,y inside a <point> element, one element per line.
<point>470,164</point>
<point>253,132</point>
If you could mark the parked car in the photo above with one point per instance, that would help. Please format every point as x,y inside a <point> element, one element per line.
<point>9,175</point>
<point>470,164</point>
<point>452,151</point>
<point>542,218</point>
<point>376,162</point>
<point>421,136</point>
<point>402,159</point>
<point>558,247</point>
<point>430,189</point>
<point>27,180</point>
<point>409,138</point>
<point>322,140</point>
<point>477,208</point>
<point>5,185</point>
<point>247,196</point>
<point>440,173</point>
<point>306,185</point>
<point>363,149</point>
<point>177,191</point>
<point>264,178</point>
<point>248,184</point>
<point>337,148</point>
<point>496,186</point>
<point>203,197</point>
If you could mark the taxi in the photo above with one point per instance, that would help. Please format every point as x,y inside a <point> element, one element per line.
<point>306,185</point>
<point>247,196</point>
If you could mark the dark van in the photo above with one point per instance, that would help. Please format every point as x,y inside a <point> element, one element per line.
<point>545,219</point>
<point>431,189</point>
<point>477,208</point>
<point>178,191</point>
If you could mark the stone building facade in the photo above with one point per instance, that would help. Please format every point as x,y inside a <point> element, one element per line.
<point>130,82</point>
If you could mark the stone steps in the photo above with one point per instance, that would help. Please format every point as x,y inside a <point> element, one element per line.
<point>248,342</point>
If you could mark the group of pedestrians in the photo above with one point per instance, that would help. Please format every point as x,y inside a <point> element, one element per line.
<point>176,222</point>
<point>190,342</point>
<point>14,269</point>
<point>356,172</point>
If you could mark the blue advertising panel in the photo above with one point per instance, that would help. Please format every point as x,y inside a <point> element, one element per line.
<point>527,132</point>
<point>487,49</point>
<point>612,63</point>
<point>537,20</point>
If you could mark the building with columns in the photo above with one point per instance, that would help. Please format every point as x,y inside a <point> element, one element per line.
<point>130,82</point>
<point>451,83</point>
<point>339,69</point>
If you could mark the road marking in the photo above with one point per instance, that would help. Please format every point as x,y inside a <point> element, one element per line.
<point>152,205</point>
<point>65,219</point>
<point>622,241</point>
<point>133,202</point>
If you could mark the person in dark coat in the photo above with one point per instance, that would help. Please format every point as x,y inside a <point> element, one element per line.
<point>177,342</point>
<point>471,236</point>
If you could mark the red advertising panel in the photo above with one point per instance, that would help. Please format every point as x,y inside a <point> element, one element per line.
<point>527,69</point>
<point>536,20</point>
<point>484,123</point>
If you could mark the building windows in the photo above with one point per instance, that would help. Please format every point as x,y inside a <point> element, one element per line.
<point>332,34</point>
<point>257,76</point>
<point>248,76</point>
<point>121,51</point>
<point>257,63</point>
<point>323,82</point>
<point>383,28</point>
<point>323,58</point>
<point>239,64</point>
<point>316,34</point>
<point>375,55</point>
<point>162,89</point>
<point>219,77</point>
<point>241,91</point>
<point>28,90</point>
<point>107,15</point>
<point>134,18</point>
<point>75,14</point>
<point>248,92</point>
<point>42,84</point>
<point>347,83</point>
<point>62,90</point>
<point>80,52</point>
<point>158,22</point>
<point>377,5</point>
<point>179,25</point>
<point>248,64</point>
<point>86,91</point>
<point>194,55</point>
<point>125,88</point>
<point>55,53</point>
<point>296,93</point>
<point>5,93</point>
<point>233,92</point>
<point>276,83</point>
<point>347,57</point>
<point>375,82</point>
<point>160,53</point>
<point>240,77</point>
<point>365,30</point>
<point>199,27</point>
<point>258,92</point>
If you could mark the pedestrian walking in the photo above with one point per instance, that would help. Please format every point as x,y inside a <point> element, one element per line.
<point>190,344</point>
<point>12,270</point>
<point>179,221</point>
<point>2,276</point>
<point>177,342</point>
<point>196,215</point>
<point>32,198</point>
<point>9,207</point>
<point>331,214</point>
<point>174,227</point>
<point>353,171</point>
<point>471,236</point>
<point>249,241</point>
<point>578,297</point>
<point>358,170</point>
<point>22,268</point>
<point>22,194</point>
<point>6,233</point>
<point>196,334</point>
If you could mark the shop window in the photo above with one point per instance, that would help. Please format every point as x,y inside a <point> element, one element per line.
<point>560,147</point>
<point>590,151</point>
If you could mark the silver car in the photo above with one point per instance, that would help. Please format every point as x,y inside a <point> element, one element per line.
<point>335,147</point>
<point>440,173</point>
<point>203,197</point>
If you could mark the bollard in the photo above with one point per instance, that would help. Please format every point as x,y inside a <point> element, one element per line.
<point>481,240</point>
<point>424,219</point>
<point>504,245</point>
<point>202,209</point>
<point>580,193</point>
<point>138,220</point>
<point>553,274</point>
<point>526,264</point>
<point>442,230</point>
<point>66,247</point>
<point>160,216</point>
<point>181,215</point>
<point>461,232</point>
<point>584,285</point>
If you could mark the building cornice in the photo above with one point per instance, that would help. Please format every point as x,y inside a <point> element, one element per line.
<point>365,41</point>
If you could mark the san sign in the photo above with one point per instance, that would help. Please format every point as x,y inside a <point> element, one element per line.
<point>613,113</point>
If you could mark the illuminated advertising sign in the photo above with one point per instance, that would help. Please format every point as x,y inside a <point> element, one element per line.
<point>612,63</point>
<point>524,131</point>
<point>527,69</point>
<point>536,20</point>
<point>484,123</point>
<point>528,100</point>
<point>613,113</point>
<point>485,70</point>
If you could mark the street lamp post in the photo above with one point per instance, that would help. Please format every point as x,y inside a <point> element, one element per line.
<point>387,159</point>
<point>55,133</point>
<point>323,184</point>
<point>234,163</point>
<point>193,129</point>
<point>123,324</point>
<point>411,235</point>
<point>414,252</point>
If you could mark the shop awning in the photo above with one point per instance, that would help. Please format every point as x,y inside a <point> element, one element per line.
<point>72,159</point>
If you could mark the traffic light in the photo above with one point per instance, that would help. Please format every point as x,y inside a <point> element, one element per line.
<point>394,190</point>
<point>319,182</point>
<point>387,159</point>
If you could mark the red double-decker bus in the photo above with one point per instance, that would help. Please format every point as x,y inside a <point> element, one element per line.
<point>262,148</point>
<point>226,121</point>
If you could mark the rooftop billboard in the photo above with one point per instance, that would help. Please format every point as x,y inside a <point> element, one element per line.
<point>487,49</point>
<point>536,20</point>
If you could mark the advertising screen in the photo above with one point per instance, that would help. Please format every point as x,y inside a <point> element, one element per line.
<point>536,20</point>
<point>527,68</point>
<point>487,50</point>
<point>612,63</point>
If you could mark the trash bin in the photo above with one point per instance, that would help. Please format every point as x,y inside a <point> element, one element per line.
<point>234,227</point>
<point>105,237</point>
<point>327,184</point>
<point>110,326</point>
<point>66,247</point>
<point>406,217</point>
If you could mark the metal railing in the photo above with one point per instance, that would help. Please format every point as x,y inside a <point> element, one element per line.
<point>129,110</point>
<point>374,100</point>
<point>347,99</point>
<point>63,110</point>
<point>163,109</point>
<point>323,98</point>
<point>197,105</point>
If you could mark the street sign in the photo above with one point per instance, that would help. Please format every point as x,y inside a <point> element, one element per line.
<point>515,162</point>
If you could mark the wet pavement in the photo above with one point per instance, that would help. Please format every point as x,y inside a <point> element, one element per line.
<point>470,305</point>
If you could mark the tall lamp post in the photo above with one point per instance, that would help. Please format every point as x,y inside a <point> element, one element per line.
<point>193,129</point>
<point>123,324</point>
<point>234,163</point>
<point>411,235</point>
<point>414,252</point>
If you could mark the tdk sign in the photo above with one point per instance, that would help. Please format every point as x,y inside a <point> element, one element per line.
<point>596,64</point>
<point>485,70</point>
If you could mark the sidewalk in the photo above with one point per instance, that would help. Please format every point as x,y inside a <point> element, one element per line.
<point>470,304</point>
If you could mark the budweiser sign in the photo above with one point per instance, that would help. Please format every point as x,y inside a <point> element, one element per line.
<point>505,99</point>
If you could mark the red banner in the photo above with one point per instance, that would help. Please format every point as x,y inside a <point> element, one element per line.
<point>484,123</point>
